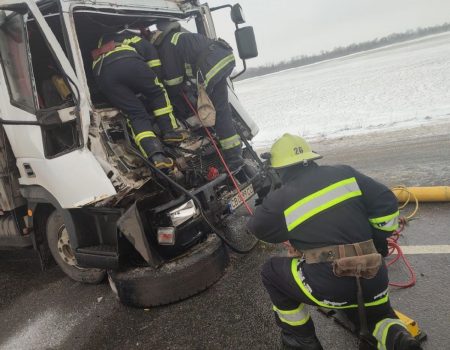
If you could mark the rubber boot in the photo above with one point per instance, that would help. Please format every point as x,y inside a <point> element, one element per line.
<point>155,154</point>
<point>161,161</point>
<point>292,342</point>
<point>233,158</point>
<point>175,136</point>
<point>405,341</point>
<point>170,134</point>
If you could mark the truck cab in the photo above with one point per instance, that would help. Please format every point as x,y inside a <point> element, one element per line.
<point>73,183</point>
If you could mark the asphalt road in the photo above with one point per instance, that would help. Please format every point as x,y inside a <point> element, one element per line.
<point>46,310</point>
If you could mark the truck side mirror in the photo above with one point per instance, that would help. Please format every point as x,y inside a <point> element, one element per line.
<point>246,43</point>
<point>237,15</point>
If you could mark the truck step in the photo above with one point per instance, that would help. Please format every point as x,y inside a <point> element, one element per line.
<point>98,256</point>
<point>103,249</point>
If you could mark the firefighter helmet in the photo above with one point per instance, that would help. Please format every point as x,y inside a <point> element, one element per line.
<point>289,150</point>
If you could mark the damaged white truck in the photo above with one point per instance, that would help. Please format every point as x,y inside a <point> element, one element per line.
<point>73,185</point>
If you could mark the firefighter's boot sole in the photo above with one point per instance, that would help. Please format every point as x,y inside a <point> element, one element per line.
<point>291,342</point>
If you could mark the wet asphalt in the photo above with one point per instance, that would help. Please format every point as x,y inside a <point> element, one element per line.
<point>46,310</point>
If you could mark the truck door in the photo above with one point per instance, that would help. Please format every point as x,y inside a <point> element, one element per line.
<point>43,111</point>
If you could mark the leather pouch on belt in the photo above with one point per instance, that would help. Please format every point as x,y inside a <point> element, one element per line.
<point>365,266</point>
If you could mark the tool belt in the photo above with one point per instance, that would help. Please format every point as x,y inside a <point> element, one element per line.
<point>359,260</point>
<point>354,260</point>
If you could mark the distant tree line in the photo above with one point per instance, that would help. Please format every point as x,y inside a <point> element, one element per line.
<point>344,51</point>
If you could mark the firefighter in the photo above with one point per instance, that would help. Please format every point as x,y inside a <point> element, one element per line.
<point>327,213</point>
<point>186,56</point>
<point>125,65</point>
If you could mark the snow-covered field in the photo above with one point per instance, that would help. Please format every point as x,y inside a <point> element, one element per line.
<point>400,86</point>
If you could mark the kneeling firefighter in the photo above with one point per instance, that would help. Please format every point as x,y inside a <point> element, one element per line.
<point>125,65</point>
<point>185,56</point>
<point>337,221</point>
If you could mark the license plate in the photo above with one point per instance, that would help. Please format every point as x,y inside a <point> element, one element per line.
<point>236,200</point>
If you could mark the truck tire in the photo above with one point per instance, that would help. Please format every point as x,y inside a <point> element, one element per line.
<point>59,245</point>
<point>176,280</point>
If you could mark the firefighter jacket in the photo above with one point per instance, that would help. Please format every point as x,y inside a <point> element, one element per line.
<point>319,206</point>
<point>125,45</point>
<point>184,54</point>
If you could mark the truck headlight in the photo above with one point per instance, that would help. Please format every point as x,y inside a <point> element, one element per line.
<point>183,213</point>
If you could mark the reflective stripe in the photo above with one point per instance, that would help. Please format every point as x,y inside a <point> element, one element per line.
<point>161,111</point>
<point>188,69</point>
<point>216,69</point>
<point>386,223</point>
<point>139,137</point>
<point>117,49</point>
<point>175,38</point>
<point>174,81</point>
<point>143,135</point>
<point>296,317</point>
<point>133,40</point>
<point>382,328</point>
<point>231,142</point>
<point>154,63</point>
<point>124,46</point>
<point>299,278</point>
<point>168,109</point>
<point>320,201</point>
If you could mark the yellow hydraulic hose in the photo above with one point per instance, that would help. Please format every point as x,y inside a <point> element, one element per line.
<point>423,194</point>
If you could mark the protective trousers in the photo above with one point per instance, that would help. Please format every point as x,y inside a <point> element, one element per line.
<point>286,280</point>
<point>120,81</point>
<point>225,130</point>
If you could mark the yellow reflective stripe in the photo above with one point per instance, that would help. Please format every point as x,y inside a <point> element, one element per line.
<point>117,49</point>
<point>298,276</point>
<point>133,40</point>
<point>143,135</point>
<point>384,218</point>
<point>133,134</point>
<point>168,109</point>
<point>175,38</point>
<point>219,65</point>
<point>387,228</point>
<point>161,111</point>
<point>154,63</point>
<point>320,201</point>
<point>166,97</point>
<point>386,223</point>
<point>297,317</point>
<point>382,328</point>
<point>230,142</point>
<point>174,81</point>
<point>188,69</point>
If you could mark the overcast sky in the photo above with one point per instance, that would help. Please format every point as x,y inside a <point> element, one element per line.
<point>288,28</point>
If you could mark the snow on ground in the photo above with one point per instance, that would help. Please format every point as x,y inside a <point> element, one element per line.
<point>399,86</point>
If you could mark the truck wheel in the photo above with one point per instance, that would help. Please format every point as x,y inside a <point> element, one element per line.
<point>59,245</point>
<point>176,280</point>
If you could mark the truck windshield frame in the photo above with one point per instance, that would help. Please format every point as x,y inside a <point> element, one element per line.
<point>116,17</point>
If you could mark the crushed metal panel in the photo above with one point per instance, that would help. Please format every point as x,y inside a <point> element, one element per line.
<point>125,171</point>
